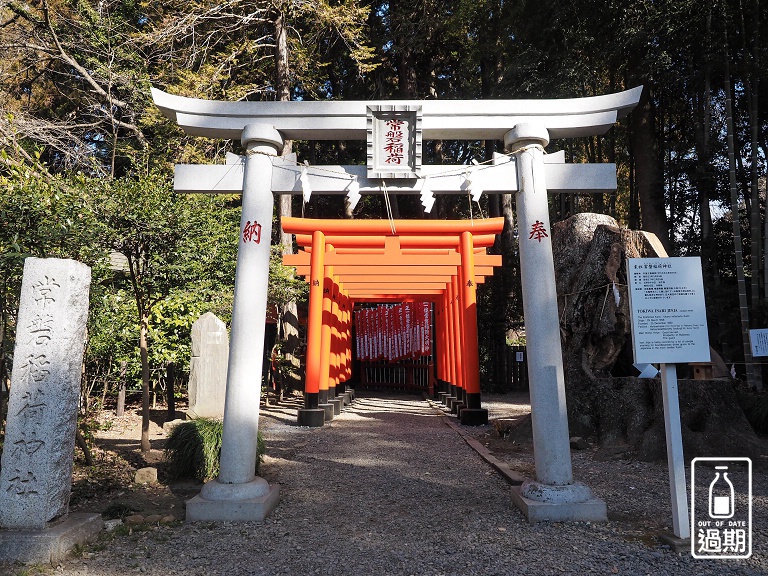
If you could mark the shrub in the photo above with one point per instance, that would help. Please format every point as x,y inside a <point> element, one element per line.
<point>193,449</point>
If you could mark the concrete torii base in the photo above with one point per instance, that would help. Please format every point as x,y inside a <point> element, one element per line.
<point>217,502</point>
<point>312,417</point>
<point>473,416</point>
<point>573,503</point>
<point>336,403</point>
<point>52,543</point>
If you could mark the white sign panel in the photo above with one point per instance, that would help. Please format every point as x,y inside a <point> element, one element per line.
<point>758,340</point>
<point>669,318</point>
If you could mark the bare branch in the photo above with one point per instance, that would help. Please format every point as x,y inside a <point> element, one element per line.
<point>108,96</point>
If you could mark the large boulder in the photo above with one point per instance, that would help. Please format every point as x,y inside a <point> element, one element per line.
<point>624,413</point>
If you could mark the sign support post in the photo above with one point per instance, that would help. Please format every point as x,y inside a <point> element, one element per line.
<point>675,460</point>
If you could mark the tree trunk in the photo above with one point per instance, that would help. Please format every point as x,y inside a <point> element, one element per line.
<point>648,174</point>
<point>634,205</point>
<point>752,376</point>
<point>705,182</point>
<point>754,220</point>
<point>288,330</point>
<point>282,81</point>
<point>510,264</point>
<point>104,385</point>
<point>754,123</point>
<point>143,353</point>
<point>625,413</point>
<point>83,445</point>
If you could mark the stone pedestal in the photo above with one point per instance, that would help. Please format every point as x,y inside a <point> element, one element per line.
<point>52,543</point>
<point>474,416</point>
<point>248,502</point>
<point>456,406</point>
<point>336,403</point>
<point>586,509</point>
<point>328,411</point>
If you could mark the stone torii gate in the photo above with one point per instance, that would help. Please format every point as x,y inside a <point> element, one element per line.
<point>525,126</point>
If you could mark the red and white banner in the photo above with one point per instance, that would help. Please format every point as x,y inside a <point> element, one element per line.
<point>394,332</point>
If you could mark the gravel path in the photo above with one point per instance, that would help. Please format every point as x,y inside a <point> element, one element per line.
<point>388,488</point>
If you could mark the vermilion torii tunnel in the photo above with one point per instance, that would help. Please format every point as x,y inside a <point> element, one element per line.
<point>350,262</point>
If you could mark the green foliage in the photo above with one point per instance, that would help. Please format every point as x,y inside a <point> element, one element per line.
<point>194,447</point>
<point>41,216</point>
<point>283,285</point>
<point>178,255</point>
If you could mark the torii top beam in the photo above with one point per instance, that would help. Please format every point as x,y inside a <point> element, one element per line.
<point>292,225</point>
<point>373,264</point>
<point>442,119</point>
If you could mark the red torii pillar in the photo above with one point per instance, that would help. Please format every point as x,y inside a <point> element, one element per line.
<point>311,414</point>
<point>346,312</point>
<point>441,333</point>
<point>451,346</point>
<point>325,347</point>
<point>472,414</point>
<point>336,351</point>
<point>457,398</point>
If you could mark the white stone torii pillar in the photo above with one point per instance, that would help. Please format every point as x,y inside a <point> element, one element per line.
<point>238,494</point>
<point>526,127</point>
<point>553,495</point>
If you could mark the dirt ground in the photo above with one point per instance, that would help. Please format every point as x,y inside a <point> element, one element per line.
<point>108,486</point>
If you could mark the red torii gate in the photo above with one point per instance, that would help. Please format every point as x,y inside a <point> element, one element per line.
<point>349,261</point>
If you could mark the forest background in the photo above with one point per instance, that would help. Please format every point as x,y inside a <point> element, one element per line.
<point>86,159</point>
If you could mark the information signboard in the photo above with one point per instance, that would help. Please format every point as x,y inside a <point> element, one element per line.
<point>669,318</point>
<point>758,340</point>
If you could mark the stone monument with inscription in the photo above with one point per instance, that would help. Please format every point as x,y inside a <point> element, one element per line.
<point>208,367</point>
<point>36,473</point>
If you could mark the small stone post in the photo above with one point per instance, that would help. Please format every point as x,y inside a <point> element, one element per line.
<point>238,494</point>
<point>208,367</point>
<point>36,475</point>
<point>553,495</point>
